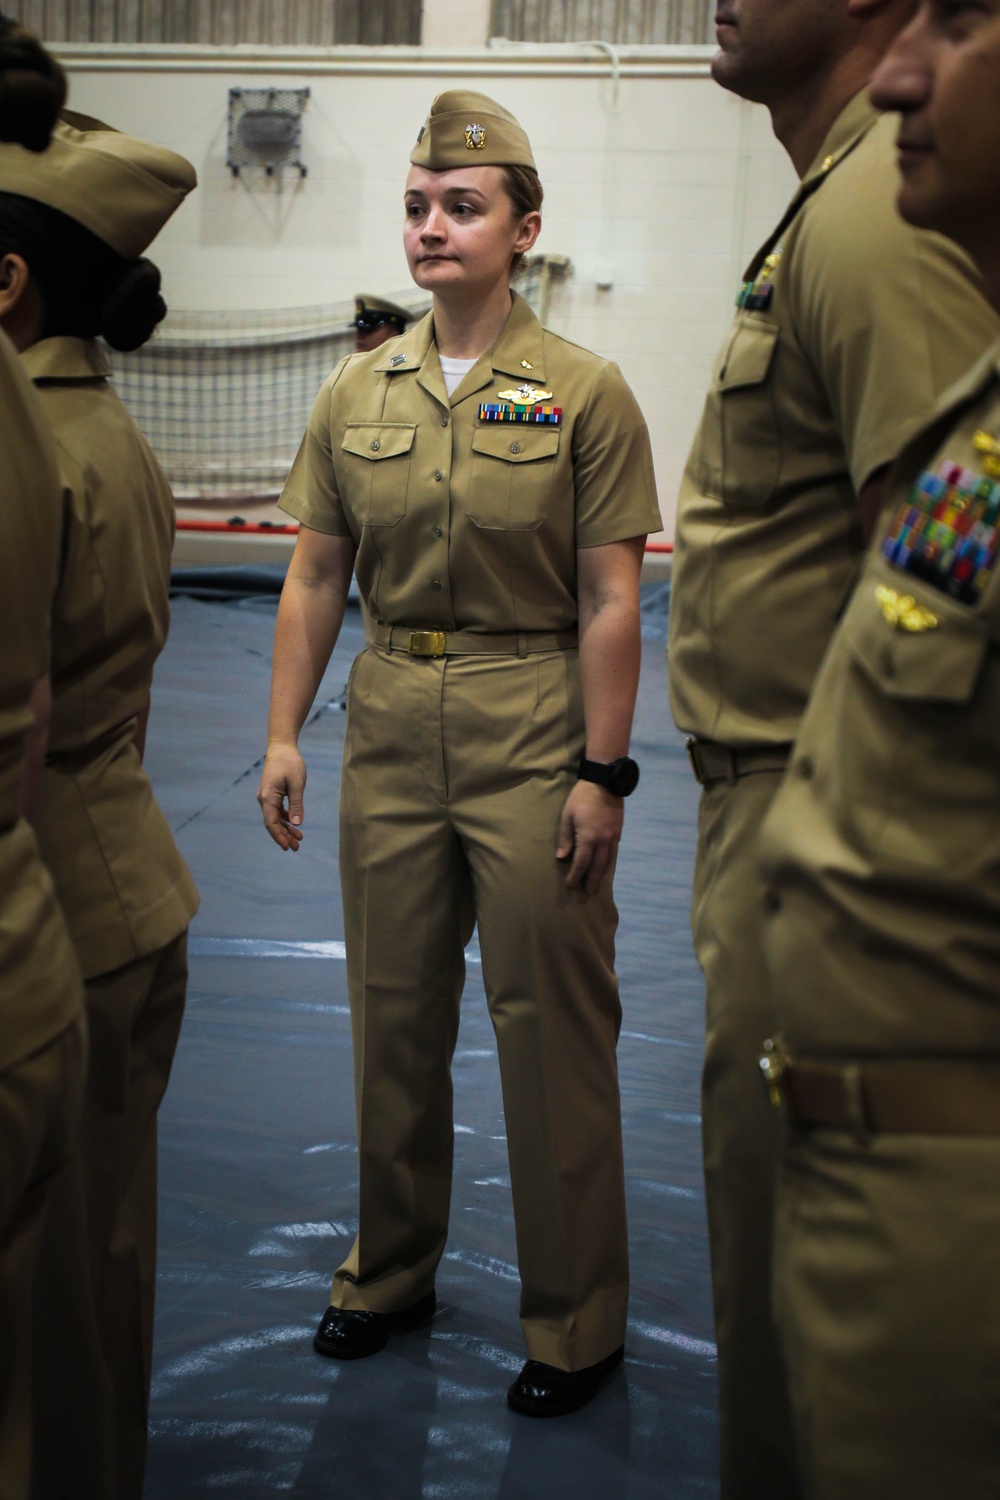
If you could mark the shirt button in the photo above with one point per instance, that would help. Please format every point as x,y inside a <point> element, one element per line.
<point>438,531</point>
<point>436,585</point>
<point>444,421</point>
<point>515,447</point>
<point>376,445</point>
<point>438,475</point>
<point>805,767</point>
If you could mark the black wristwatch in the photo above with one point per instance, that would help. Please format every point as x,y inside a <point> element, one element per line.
<point>620,777</point>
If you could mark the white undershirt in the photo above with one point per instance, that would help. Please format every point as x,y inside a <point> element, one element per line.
<point>454,372</point>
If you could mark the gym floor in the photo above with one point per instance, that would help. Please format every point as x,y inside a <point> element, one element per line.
<point>258,1178</point>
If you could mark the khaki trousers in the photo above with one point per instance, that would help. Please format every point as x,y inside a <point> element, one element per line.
<point>40,1100</point>
<point>887,1277</point>
<point>93,1315</point>
<point>741,1136</point>
<point>455,775</point>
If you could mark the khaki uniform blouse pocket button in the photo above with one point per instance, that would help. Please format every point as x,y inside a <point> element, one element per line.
<point>515,447</point>
<point>376,445</point>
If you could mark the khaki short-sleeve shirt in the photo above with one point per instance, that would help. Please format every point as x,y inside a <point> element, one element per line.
<point>882,849</point>
<point>853,325</point>
<point>120,878</point>
<point>40,990</point>
<point>463,521</point>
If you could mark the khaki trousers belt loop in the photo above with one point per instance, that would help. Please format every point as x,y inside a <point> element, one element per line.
<point>914,1097</point>
<point>713,762</point>
<point>437,643</point>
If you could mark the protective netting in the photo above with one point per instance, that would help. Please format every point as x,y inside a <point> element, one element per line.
<point>223,397</point>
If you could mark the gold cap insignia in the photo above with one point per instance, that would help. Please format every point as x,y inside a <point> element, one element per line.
<point>525,395</point>
<point>475,137</point>
<point>526,364</point>
<point>903,611</point>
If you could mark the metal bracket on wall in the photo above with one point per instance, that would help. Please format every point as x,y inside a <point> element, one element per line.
<point>265,130</point>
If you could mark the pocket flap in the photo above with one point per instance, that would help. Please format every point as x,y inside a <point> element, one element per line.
<point>376,440</point>
<point>939,662</point>
<point>516,442</point>
<point>748,358</point>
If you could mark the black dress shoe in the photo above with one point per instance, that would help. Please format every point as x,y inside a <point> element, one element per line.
<point>350,1333</point>
<point>544,1391</point>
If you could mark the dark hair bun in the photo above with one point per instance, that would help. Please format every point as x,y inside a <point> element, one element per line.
<point>134,308</point>
<point>32,88</point>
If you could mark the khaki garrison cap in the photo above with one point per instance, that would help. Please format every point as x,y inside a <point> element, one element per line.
<point>465,129</point>
<point>372,312</point>
<point>120,188</point>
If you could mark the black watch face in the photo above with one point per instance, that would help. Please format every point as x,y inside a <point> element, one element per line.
<point>624,777</point>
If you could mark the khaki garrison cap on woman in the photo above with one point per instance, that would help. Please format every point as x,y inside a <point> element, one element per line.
<point>120,188</point>
<point>466,129</point>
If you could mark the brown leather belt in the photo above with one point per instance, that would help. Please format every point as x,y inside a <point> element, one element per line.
<point>471,642</point>
<point>712,762</point>
<point>908,1096</point>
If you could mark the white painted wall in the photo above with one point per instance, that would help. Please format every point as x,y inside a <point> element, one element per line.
<point>665,197</point>
<point>455,23</point>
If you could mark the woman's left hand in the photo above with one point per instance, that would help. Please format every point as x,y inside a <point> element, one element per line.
<point>590,830</point>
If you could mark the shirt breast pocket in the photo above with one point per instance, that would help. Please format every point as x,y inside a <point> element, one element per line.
<point>748,463</point>
<point>920,742</point>
<point>377,457</point>
<point>513,472</point>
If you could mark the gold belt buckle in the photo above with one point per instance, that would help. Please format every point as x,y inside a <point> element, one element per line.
<point>774,1067</point>
<point>427,643</point>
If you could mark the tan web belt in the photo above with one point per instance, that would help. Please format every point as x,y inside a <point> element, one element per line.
<point>712,762</point>
<point>912,1097</point>
<point>471,642</point>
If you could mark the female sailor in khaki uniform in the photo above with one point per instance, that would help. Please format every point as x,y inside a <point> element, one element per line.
<point>43,1037</point>
<point>73,223</point>
<point>42,1033</point>
<point>882,861</point>
<point>493,485</point>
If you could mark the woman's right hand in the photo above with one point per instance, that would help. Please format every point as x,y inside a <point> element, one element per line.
<point>282,784</point>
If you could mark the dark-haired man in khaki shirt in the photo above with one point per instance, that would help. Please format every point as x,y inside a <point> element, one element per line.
<point>882,861</point>
<point>848,327</point>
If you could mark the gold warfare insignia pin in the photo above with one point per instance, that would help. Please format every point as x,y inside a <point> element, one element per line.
<point>987,445</point>
<point>525,395</point>
<point>903,611</point>
<point>475,137</point>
